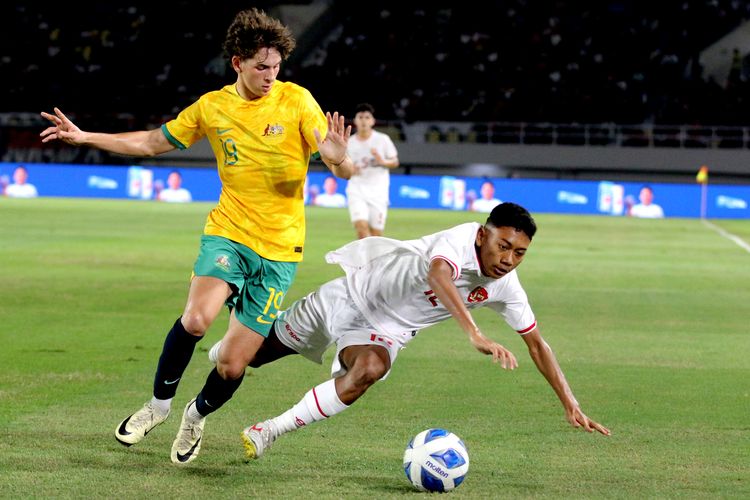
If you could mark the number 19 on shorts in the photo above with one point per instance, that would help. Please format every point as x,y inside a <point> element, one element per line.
<point>275,298</point>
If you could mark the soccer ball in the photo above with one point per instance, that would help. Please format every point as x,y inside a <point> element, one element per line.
<point>436,460</point>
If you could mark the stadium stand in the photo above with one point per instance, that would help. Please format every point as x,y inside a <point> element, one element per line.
<point>515,69</point>
<point>551,61</point>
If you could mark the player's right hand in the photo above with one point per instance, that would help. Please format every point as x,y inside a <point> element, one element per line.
<point>63,129</point>
<point>499,353</point>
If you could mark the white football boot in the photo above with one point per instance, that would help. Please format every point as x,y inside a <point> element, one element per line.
<point>136,426</point>
<point>187,444</point>
<point>257,439</point>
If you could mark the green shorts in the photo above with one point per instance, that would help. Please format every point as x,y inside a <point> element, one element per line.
<point>258,284</point>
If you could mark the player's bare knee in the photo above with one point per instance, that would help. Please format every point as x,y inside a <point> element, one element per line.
<point>195,323</point>
<point>368,369</point>
<point>231,370</point>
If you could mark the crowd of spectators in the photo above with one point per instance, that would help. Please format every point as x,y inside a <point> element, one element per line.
<point>540,61</point>
<point>558,61</point>
<point>112,61</point>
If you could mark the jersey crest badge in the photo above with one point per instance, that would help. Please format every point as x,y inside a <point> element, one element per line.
<point>273,130</point>
<point>479,294</point>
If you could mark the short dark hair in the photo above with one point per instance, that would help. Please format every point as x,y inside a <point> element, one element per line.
<point>364,106</point>
<point>253,30</point>
<point>512,215</point>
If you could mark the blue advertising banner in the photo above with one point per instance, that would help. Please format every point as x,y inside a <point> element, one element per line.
<point>406,191</point>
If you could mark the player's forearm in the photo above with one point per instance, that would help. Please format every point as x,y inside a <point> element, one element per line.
<point>547,364</point>
<point>140,143</point>
<point>342,169</point>
<point>392,163</point>
<point>439,279</point>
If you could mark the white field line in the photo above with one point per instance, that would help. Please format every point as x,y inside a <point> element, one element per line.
<point>739,241</point>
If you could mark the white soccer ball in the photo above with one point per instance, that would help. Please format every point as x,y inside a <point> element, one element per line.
<point>436,460</point>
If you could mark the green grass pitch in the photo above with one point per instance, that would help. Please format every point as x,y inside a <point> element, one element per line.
<point>650,320</point>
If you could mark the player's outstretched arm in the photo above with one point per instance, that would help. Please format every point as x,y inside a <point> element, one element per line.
<point>440,279</point>
<point>547,364</point>
<point>332,148</point>
<point>141,143</point>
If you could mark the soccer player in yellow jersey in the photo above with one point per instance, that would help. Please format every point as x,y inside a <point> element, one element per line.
<point>263,133</point>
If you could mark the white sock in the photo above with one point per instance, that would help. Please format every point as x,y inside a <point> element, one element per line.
<point>192,412</point>
<point>318,404</point>
<point>162,405</point>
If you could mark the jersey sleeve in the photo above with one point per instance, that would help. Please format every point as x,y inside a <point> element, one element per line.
<point>445,248</point>
<point>186,129</point>
<point>390,149</point>
<point>311,118</point>
<point>515,308</point>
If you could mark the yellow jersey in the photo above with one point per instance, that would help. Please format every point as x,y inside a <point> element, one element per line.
<point>262,150</point>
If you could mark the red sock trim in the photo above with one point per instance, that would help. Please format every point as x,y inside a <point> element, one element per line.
<point>317,403</point>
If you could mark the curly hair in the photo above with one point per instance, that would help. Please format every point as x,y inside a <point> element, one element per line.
<point>253,30</point>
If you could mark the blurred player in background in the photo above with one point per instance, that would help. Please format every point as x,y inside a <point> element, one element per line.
<point>373,154</point>
<point>20,188</point>
<point>392,290</point>
<point>174,193</point>
<point>646,209</point>
<point>488,201</point>
<point>330,198</point>
<point>263,133</point>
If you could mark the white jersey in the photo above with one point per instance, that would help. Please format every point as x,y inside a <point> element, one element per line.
<point>180,195</point>
<point>21,191</point>
<point>335,200</point>
<point>373,181</point>
<point>387,280</point>
<point>484,205</point>
<point>652,211</point>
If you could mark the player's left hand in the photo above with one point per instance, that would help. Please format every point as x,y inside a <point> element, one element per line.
<point>379,160</point>
<point>577,418</point>
<point>332,148</point>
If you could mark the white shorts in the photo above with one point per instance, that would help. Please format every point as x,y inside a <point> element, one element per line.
<point>375,213</point>
<point>329,316</point>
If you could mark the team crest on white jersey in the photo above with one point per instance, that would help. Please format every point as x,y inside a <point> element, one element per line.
<point>479,294</point>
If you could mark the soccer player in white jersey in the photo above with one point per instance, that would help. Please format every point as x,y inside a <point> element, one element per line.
<point>175,193</point>
<point>646,209</point>
<point>373,154</point>
<point>374,311</point>
<point>21,188</point>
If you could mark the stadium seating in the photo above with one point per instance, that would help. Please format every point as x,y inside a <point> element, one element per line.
<point>509,63</point>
